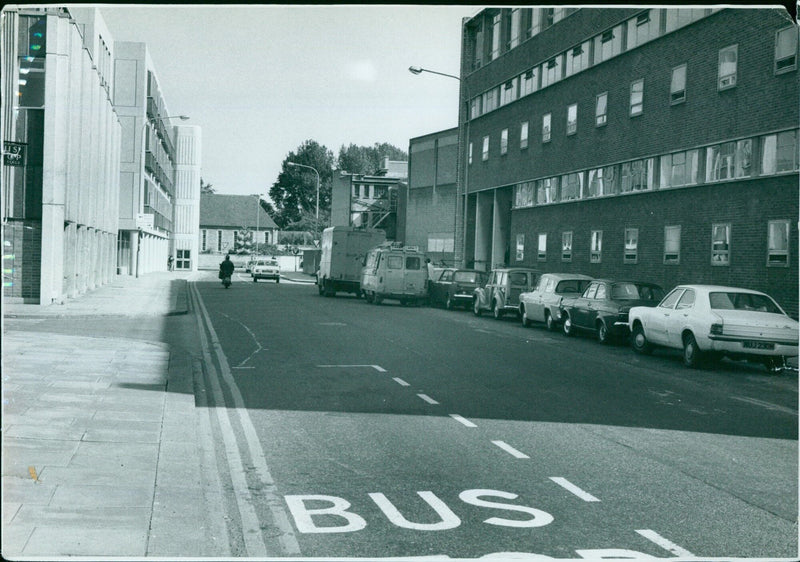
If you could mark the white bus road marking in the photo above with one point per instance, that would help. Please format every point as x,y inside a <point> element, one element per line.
<point>401,382</point>
<point>664,543</point>
<point>376,367</point>
<point>569,486</point>
<point>509,449</point>
<point>462,421</point>
<point>767,405</point>
<point>427,399</point>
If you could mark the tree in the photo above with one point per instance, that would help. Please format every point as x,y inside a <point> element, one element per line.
<point>295,190</point>
<point>206,187</point>
<point>367,160</point>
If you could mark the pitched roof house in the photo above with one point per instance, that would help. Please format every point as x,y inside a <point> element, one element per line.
<point>226,220</point>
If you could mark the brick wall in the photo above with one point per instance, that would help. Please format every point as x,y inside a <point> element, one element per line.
<point>22,260</point>
<point>747,205</point>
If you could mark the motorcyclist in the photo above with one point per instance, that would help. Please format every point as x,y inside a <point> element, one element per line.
<point>226,268</point>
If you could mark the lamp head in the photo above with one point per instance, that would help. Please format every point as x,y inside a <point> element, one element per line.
<point>415,70</point>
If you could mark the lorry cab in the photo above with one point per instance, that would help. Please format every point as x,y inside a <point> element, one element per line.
<point>393,271</point>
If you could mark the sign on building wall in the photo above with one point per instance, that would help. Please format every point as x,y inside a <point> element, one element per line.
<point>145,220</point>
<point>13,154</point>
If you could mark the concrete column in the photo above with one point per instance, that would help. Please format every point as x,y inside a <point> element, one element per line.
<point>483,230</point>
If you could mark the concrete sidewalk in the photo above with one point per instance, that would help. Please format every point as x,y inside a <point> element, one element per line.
<point>101,446</point>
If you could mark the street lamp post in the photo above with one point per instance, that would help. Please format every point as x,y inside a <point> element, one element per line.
<point>144,150</point>
<point>316,226</point>
<point>461,157</point>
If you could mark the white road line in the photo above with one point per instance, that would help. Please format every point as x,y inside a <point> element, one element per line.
<point>569,486</point>
<point>427,399</point>
<point>664,543</point>
<point>509,449</point>
<point>252,335</point>
<point>767,405</point>
<point>254,540</point>
<point>376,367</point>
<point>462,421</point>
<point>401,382</point>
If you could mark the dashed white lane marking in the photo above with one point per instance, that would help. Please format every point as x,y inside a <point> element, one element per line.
<point>509,449</point>
<point>767,405</point>
<point>462,421</point>
<point>427,399</point>
<point>376,367</point>
<point>401,382</point>
<point>664,543</point>
<point>331,324</point>
<point>569,486</point>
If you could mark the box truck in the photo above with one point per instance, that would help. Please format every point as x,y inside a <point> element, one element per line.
<point>344,249</point>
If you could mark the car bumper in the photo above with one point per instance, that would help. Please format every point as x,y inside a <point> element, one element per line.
<point>266,275</point>
<point>739,346</point>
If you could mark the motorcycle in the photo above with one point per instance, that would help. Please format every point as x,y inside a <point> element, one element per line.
<point>226,281</point>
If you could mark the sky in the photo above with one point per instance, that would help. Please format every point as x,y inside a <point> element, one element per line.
<point>262,79</point>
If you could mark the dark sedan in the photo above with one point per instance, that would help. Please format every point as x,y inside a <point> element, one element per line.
<point>454,287</point>
<point>604,305</point>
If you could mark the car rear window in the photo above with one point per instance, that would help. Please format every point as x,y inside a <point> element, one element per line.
<point>468,277</point>
<point>743,301</point>
<point>572,286</point>
<point>633,291</point>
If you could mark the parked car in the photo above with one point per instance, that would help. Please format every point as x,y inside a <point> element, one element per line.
<point>543,303</point>
<point>454,287</point>
<point>604,305</point>
<point>709,321</point>
<point>501,293</point>
<point>266,269</point>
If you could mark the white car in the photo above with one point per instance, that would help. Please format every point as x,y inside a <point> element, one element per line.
<point>709,321</point>
<point>543,303</point>
<point>266,269</point>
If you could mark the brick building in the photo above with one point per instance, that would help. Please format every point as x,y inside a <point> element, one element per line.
<point>658,144</point>
<point>228,222</point>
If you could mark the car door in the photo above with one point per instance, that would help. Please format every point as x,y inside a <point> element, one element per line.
<point>441,288</point>
<point>678,318</point>
<point>536,309</point>
<point>581,305</point>
<point>393,281</point>
<point>655,329</point>
<point>594,306</point>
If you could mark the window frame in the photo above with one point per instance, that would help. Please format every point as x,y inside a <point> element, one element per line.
<point>520,253</point>
<point>668,260</point>
<point>601,119</point>
<point>523,135</point>
<point>547,127</point>
<point>793,65</point>
<point>630,255</point>
<point>784,262</point>
<point>566,250</point>
<point>596,246</point>
<point>673,100</point>
<point>572,125</point>
<point>721,85</point>
<point>504,142</point>
<point>485,151</point>
<point>721,257</point>
<point>541,247</point>
<point>636,108</point>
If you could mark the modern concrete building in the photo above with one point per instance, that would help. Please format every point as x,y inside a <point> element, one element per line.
<point>61,141</point>
<point>185,248</point>
<point>652,143</point>
<point>430,200</point>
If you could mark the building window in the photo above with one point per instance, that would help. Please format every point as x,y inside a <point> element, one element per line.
<point>608,44</point>
<point>786,50</point>
<point>643,28</point>
<point>729,160</point>
<point>680,17</point>
<point>204,241</point>
<point>485,153</point>
<point>677,88</point>
<point>572,119</point>
<point>513,39</point>
<point>470,153</point>
<point>679,168</point>
<point>566,246</point>
<point>219,240</point>
<point>183,260</point>
<point>672,244</point>
<point>779,153</point>
<point>523,194</point>
<point>508,93</point>
<point>520,247</point>
<point>631,254</point>
<point>546,128</point>
<point>523,135</point>
<point>546,190</point>
<point>571,186</point>
<point>542,253</point>
<point>778,244</point>
<point>504,141</point>
<point>601,109</point>
<point>577,59</point>
<point>552,70</point>
<point>495,52</point>
<point>596,246</point>
<point>637,97</point>
<point>726,75</point>
<point>721,244</point>
<point>489,100</point>
<point>601,182</point>
<point>528,82</point>
<point>475,107</point>
<point>637,176</point>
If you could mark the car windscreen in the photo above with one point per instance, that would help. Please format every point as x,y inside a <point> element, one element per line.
<point>572,286</point>
<point>635,291</point>
<point>743,301</point>
<point>468,277</point>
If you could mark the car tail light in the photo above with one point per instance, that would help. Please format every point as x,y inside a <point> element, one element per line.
<point>716,330</point>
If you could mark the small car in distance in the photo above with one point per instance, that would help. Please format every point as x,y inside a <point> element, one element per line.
<point>501,292</point>
<point>604,305</point>
<point>543,303</point>
<point>710,321</point>
<point>266,269</point>
<point>454,287</point>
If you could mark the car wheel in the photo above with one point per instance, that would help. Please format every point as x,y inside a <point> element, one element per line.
<point>368,297</point>
<point>524,316</point>
<point>639,341</point>
<point>774,365</point>
<point>319,288</point>
<point>476,307</point>
<point>693,357</point>
<point>497,311</point>
<point>378,299</point>
<point>603,335</point>
<point>255,279</point>
<point>549,322</point>
<point>567,326</point>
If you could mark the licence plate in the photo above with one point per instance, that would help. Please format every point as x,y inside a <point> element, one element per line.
<point>757,345</point>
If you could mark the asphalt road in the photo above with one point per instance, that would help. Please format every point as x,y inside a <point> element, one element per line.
<point>378,431</point>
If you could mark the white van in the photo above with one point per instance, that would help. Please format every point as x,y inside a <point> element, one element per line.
<point>392,271</point>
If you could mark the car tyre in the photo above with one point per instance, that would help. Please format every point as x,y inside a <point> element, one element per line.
<point>255,279</point>
<point>449,305</point>
<point>476,307</point>
<point>639,341</point>
<point>377,299</point>
<point>524,315</point>
<point>368,297</point>
<point>603,335</point>
<point>693,357</point>
<point>775,365</point>
<point>567,327</point>
<point>550,322</point>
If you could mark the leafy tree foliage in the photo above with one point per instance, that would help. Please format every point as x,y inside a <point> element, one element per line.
<point>367,160</point>
<point>206,187</point>
<point>295,190</point>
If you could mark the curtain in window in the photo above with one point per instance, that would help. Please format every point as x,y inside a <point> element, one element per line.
<point>778,236</point>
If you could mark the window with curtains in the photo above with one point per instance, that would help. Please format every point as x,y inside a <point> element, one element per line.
<point>601,109</point>
<point>542,248</point>
<point>677,87</point>
<point>729,160</point>
<point>786,50</point>
<point>778,243</point>
<point>523,135</point>
<point>504,141</point>
<point>779,153</point>
<point>672,245</point>
<point>572,119</point>
<point>546,127</point>
<point>631,251</point>
<point>566,246</point>
<point>726,73</point>
<point>679,169</point>
<point>721,244</point>
<point>637,97</point>
<point>485,152</point>
<point>596,246</point>
<point>546,190</point>
<point>520,247</point>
